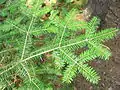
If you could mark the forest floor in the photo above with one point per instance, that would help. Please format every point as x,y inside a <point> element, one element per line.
<point>108,70</point>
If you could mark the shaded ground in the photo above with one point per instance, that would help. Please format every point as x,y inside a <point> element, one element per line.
<point>109,12</point>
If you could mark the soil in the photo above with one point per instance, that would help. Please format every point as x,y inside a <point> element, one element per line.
<point>109,12</point>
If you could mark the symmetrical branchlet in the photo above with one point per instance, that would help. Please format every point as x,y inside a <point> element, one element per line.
<point>38,44</point>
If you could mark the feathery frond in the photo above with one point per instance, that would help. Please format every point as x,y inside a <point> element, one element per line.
<point>38,44</point>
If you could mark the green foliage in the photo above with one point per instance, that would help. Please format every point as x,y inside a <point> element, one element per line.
<point>38,45</point>
<point>2,1</point>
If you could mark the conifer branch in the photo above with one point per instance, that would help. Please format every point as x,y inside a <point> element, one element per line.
<point>52,37</point>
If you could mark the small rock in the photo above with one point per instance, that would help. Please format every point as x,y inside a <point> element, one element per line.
<point>110,88</point>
